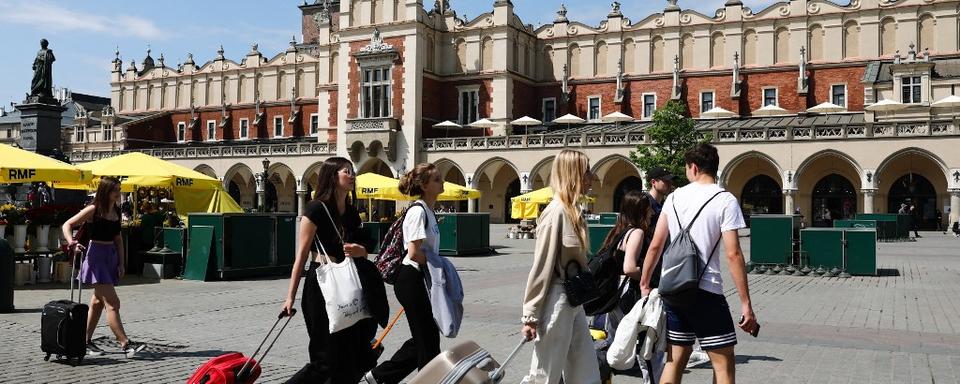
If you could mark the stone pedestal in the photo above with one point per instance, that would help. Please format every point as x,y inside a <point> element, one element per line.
<point>40,125</point>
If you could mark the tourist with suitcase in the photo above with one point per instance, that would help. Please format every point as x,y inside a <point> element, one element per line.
<point>103,265</point>
<point>558,282</point>
<point>343,296</point>
<point>426,284</point>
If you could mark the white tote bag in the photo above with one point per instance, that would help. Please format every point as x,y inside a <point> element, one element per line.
<point>341,288</point>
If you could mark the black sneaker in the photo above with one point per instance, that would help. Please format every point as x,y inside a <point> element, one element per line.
<point>132,348</point>
<point>93,350</point>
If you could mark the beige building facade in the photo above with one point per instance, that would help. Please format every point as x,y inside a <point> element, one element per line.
<point>369,79</point>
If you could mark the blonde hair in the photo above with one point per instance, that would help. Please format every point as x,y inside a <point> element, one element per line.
<point>566,180</point>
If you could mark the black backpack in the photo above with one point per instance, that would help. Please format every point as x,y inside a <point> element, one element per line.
<point>607,268</point>
<point>682,265</point>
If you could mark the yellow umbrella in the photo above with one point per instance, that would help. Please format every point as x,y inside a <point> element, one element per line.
<point>371,186</point>
<point>456,192</point>
<point>527,206</point>
<point>136,169</point>
<point>20,166</point>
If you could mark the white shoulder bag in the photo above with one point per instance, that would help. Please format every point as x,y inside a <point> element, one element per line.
<point>341,288</point>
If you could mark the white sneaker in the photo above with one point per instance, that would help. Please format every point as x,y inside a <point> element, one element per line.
<point>369,379</point>
<point>132,348</point>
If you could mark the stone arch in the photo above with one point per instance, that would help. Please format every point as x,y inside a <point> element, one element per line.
<point>812,172</point>
<point>600,59</point>
<point>498,181</point>
<point>540,173</point>
<point>781,42</point>
<point>851,39</point>
<point>376,165</point>
<point>486,53</point>
<point>926,33</point>
<point>750,47</point>
<point>206,170</point>
<point>657,48</point>
<point>888,36</point>
<point>460,53</point>
<point>451,171</point>
<point>546,64</point>
<point>734,164</point>
<point>717,50</point>
<point>815,42</point>
<point>284,183</point>
<point>573,58</point>
<point>629,56</point>
<point>686,51</point>
<point>610,172</point>
<point>913,164</point>
<point>742,172</point>
<point>240,183</point>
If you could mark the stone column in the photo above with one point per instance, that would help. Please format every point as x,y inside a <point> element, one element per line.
<point>788,201</point>
<point>525,183</point>
<point>954,206</point>
<point>868,195</point>
<point>301,197</point>
<point>261,191</point>
<point>472,203</point>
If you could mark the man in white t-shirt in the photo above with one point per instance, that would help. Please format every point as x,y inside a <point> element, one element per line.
<point>708,320</point>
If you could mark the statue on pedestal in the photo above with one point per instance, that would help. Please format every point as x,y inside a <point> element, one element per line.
<point>41,88</point>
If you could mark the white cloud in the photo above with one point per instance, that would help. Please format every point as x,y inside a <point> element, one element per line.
<point>57,18</point>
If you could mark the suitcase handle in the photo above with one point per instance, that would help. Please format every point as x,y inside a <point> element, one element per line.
<point>497,375</point>
<point>244,372</point>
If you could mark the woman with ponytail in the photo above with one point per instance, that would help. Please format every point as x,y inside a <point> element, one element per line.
<point>563,345</point>
<point>427,285</point>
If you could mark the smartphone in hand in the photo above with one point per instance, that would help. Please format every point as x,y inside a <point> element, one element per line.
<point>756,331</point>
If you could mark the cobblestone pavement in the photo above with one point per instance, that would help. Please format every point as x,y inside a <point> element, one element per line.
<point>902,327</point>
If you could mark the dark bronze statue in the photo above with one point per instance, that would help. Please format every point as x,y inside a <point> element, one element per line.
<point>42,84</point>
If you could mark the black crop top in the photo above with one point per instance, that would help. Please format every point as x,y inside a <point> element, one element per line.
<point>102,229</point>
<point>348,224</point>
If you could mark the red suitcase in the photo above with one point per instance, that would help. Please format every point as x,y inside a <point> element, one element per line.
<point>234,367</point>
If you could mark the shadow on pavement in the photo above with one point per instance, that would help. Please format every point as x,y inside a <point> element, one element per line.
<point>744,359</point>
<point>888,272</point>
<point>126,281</point>
<point>160,356</point>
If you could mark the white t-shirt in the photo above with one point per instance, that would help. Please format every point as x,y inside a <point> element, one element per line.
<point>413,229</point>
<point>721,215</point>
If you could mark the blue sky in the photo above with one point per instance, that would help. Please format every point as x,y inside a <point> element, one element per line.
<point>84,34</point>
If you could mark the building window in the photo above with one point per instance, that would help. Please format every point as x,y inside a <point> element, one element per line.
<point>649,105</point>
<point>549,109</point>
<point>80,133</point>
<point>911,90</point>
<point>181,132</point>
<point>244,128</point>
<point>769,97</point>
<point>107,133</point>
<point>375,92</point>
<point>706,101</point>
<point>838,95</point>
<point>314,124</point>
<point>469,106</point>
<point>593,108</point>
<point>211,129</point>
<point>278,126</point>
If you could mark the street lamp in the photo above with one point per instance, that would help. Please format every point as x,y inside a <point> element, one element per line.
<point>264,179</point>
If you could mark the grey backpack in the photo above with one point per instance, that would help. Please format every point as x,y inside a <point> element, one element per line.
<point>682,265</point>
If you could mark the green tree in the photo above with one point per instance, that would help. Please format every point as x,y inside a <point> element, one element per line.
<point>671,135</point>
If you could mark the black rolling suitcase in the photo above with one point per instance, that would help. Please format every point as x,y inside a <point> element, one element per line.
<point>63,325</point>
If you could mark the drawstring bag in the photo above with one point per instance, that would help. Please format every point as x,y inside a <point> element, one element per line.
<point>341,288</point>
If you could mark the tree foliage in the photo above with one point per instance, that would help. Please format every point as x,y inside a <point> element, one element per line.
<point>671,135</point>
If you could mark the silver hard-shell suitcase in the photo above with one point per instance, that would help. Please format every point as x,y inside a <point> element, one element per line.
<point>465,363</point>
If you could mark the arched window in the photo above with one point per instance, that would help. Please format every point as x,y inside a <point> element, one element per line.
<point>397,10</point>
<point>303,86</point>
<point>258,95</point>
<point>686,51</point>
<point>656,54</point>
<point>888,36</point>
<point>629,56</point>
<point>717,50</point>
<point>486,50</point>
<point>574,53</point>
<point>816,42</point>
<point>750,47</point>
<point>601,59</point>
<point>782,46</point>
<point>283,91</point>
<point>244,82</point>
<point>927,33</point>
<point>377,8</point>
<point>461,49</point>
<point>354,13</point>
<point>546,64</point>
<point>183,90</point>
<point>851,40</point>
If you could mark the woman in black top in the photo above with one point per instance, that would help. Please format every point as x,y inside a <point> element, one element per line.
<point>103,265</point>
<point>344,356</point>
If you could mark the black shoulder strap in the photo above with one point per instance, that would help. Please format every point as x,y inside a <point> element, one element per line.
<point>695,217</point>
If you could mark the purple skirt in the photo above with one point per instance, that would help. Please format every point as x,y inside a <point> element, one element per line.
<point>100,265</point>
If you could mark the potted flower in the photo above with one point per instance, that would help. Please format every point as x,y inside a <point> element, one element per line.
<point>14,216</point>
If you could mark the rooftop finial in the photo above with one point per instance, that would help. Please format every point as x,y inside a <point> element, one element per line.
<point>672,5</point>
<point>561,14</point>
<point>220,52</point>
<point>189,59</point>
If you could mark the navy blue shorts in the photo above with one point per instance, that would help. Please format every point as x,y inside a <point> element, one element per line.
<point>708,321</point>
